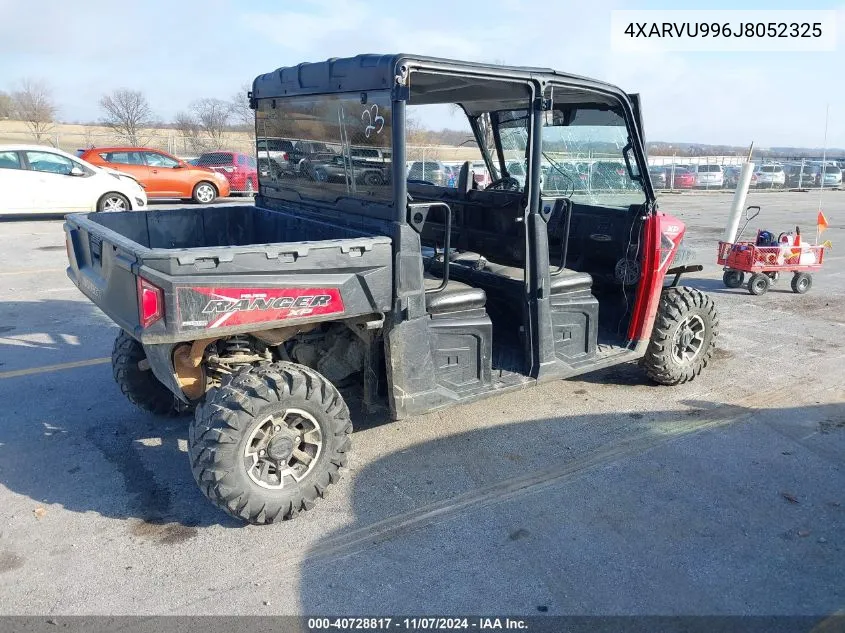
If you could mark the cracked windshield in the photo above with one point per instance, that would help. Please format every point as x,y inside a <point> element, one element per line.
<point>582,156</point>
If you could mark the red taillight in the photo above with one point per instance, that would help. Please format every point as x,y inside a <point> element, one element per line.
<point>284,156</point>
<point>150,302</point>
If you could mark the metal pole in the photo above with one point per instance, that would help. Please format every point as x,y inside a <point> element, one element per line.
<point>824,156</point>
<point>801,174</point>
<point>739,199</point>
<point>672,185</point>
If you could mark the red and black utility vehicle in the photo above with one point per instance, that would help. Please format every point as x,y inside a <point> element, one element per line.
<point>407,294</point>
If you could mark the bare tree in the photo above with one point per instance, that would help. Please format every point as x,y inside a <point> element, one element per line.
<point>5,106</point>
<point>212,117</point>
<point>34,105</point>
<point>128,114</point>
<point>242,114</point>
<point>189,131</point>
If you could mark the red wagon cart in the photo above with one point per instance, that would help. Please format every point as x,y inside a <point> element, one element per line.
<point>766,258</point>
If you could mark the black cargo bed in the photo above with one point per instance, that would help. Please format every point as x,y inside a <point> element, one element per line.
<point>228,247</point>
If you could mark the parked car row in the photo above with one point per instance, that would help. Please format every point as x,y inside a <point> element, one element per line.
<point>43,179</point>
<point>769,175</point>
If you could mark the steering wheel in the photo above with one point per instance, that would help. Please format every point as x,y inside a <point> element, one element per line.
<point>506,183</point>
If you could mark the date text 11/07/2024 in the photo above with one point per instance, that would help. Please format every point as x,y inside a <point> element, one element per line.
<point>416,624</point>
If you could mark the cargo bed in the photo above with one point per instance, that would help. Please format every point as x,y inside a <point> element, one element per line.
<point>226,269</point>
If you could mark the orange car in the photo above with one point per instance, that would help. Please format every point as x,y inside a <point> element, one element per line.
<point>162,175</point>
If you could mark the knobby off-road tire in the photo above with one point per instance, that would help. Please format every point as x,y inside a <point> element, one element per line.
<point>137,381</point>
<point>682,341</point>
<point>249,431</point>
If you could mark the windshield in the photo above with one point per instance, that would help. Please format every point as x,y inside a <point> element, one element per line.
<point>583,157</point>
<point>211,160</point>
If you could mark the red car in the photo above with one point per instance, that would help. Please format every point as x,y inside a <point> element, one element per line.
<point>241,170</point>
<point>683,178</point>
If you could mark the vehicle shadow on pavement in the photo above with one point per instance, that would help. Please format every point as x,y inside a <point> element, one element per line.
<point>716,286</point>
<point>47,332</point>
<point>709,509</point>
<point>70,437</point>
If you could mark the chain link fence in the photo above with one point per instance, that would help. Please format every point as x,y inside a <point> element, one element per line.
<point>668,173</point>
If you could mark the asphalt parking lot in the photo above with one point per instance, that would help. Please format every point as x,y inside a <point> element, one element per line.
<point>598,495</point>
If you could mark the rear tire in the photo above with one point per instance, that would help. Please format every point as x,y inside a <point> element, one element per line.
<point>759,284</point>
<point>137,381</point>
<point>733,278</point>
<point>682,341</point>
<point>204,193</point>
<point>267,445</point>
<point>801,283</point>
<point>113,202</point>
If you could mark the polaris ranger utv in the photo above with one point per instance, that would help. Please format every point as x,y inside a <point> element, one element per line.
<point>409,295</point>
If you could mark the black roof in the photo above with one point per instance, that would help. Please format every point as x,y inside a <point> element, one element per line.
<point>378,72</point>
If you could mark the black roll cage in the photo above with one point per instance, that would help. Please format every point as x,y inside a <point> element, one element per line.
<point>366,73</point>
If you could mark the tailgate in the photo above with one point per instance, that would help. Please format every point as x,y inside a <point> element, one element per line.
<point>103,269</point>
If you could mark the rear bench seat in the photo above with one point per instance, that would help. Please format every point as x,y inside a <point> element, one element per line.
<point>455,297</point>
<point>488,273</point>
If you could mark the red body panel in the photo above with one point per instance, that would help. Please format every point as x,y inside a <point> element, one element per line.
<point>662,234</point>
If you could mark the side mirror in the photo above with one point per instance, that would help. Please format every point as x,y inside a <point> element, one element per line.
<point>178,166</point>
<point>77,171</point>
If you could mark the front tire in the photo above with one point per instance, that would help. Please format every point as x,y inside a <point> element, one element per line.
<point>113,202</point>
<point>136,380</point>
<point>269,443</point>
<point>733,278</point>
<point>204,193</point>
<point>682,341</point>
<point>759,284</point>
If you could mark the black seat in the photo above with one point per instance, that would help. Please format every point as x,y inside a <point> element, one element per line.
<point>453,298</point>
<point>567,280</point>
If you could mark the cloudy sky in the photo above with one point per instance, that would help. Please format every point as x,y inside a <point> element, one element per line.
<point>180,50</point>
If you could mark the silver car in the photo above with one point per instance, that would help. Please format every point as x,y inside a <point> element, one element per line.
<point>832,176</point>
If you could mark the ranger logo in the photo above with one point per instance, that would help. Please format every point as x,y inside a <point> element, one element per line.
<point>303,304</point>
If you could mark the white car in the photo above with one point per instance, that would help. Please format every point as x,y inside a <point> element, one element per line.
<point>710,176</point>
<point>770,176</point>
<point>43,179</point>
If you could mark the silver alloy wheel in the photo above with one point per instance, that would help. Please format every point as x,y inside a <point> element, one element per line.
<point>689,339</point>
<point>205,193</point>
<point>114,203</point>
<point>283,446</point>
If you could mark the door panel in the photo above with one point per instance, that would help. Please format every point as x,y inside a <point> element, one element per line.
<point>56,190</point>
<point>132,163</point>
<point>167,173</point>
<point>17,185</point>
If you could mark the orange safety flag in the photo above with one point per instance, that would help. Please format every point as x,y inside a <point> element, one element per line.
<point>822,222</point>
